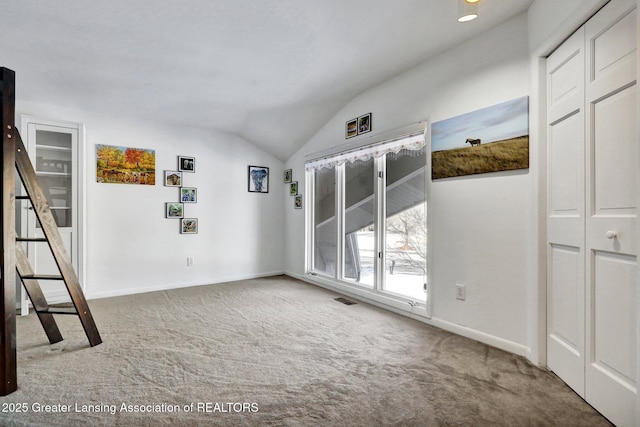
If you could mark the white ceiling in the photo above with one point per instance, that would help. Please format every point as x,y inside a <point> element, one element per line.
<point>270,71</point>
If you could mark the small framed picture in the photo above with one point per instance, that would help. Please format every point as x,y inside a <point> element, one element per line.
<point>258,178</point>
<point>189,226</point>
<point>297,202</point>
<point>288,175</point>
<point>293,190</point>
<point>351,128</point>
<point>174,210</point>
<point>364,124</point>
<point>188,195</point>
<point>186,164</point>
<point>172,178</point>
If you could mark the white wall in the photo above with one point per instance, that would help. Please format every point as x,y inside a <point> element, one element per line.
<point>480,225</point>
<point>558,19</point>
<point>131,247</point>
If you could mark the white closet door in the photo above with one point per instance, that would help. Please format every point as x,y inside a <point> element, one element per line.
<point>612,205</point>
<point>592,187</point>
<point>566,189</point>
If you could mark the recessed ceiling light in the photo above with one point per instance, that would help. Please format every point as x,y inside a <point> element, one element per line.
<point>467,10</point>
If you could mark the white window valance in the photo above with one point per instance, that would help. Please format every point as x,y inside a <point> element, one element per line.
<point>413,143</point>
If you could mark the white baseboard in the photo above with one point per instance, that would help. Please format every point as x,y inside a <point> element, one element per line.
<point>483,337</point>
<point>492,340</point>
<point>165,287</point>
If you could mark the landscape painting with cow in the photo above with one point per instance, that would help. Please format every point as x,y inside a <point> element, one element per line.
<point>125,165</point>
<point>491,139</point>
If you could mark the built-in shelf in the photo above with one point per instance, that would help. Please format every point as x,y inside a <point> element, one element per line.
<point>52,148</point>
<point>40,173</point>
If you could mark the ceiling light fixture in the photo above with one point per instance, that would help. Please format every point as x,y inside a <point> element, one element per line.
<point>467,10</point>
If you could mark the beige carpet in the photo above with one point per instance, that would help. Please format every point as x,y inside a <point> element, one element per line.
<point>273,352</point>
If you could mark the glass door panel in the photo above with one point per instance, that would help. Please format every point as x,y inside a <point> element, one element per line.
<point>53,165</point>
<point>324,221</point>
<point>359,229</point>
<point>54,151</point>
<point>406,224</point>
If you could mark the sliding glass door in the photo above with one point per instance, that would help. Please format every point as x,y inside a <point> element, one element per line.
<point>324,221</point>
<point>370,214</point>
<point>359,222</point>
<point>406,224</point>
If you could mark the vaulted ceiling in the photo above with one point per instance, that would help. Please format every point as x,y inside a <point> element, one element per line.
<point>270,71</point>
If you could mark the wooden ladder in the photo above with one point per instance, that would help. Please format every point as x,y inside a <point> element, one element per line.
<point>52,236</point>
<point>14,259</point>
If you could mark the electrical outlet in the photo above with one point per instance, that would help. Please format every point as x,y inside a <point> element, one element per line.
<point>461,293</point>
<point>189,262</point>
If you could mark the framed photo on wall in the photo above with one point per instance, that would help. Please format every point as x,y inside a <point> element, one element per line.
<point>297,202</point>
<point>188,194</point>
<point>288,175</point>
<point>186,164</point>
<point>189,226</point>
<point>258,177</point>
<point>364,124</point>
<point>351,128</point>
<point>174,210</point>
<point>293,190</point>
<point>172,178</point>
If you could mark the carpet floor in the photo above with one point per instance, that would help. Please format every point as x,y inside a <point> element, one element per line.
<point>273,352</point>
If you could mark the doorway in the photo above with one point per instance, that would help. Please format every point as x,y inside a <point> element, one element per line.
<point>54,149</point>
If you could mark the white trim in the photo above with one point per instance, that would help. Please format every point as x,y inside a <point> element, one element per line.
<point>309,219</point>
<point>340,214</point>
<point>380,220</point>
<point>483,337</point>
<point>383,300</point>
<point>638,227</point>
<point>428,189</point>
<point>82,206</point>
<point>169,286</point>
<point>420,315</point>
<point>80,201</point>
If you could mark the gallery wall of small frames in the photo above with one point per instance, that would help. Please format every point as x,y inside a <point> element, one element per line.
<point>293,188</point>
<point>175,210</point>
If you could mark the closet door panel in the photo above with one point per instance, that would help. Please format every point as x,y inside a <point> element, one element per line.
<point>565,223</point>
<point>611,217</point>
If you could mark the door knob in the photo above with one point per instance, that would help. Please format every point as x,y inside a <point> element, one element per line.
<point>612,234</point>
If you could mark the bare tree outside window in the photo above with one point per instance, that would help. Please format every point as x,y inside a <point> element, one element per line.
<point>408,252</point>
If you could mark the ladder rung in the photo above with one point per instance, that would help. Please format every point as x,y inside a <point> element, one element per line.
<point>58,310</point>
<point>23,198</point>
<point>31,239</point>
<point>42,277</point>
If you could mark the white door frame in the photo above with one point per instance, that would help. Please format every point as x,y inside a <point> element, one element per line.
<point>25,121</point>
